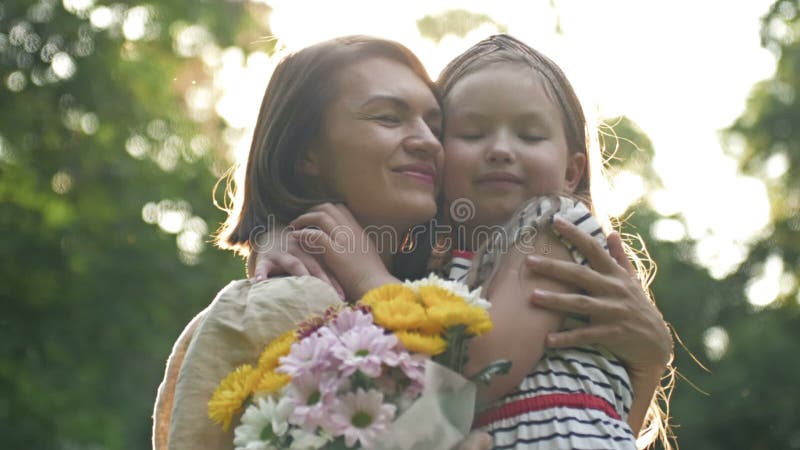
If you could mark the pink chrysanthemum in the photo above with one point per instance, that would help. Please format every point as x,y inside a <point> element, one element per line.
<point>312,354</point>
<point>311,398</point>
<point>413,367</point>
<point>362,417</point>
<point>365,348</point>
<point>348,319</point>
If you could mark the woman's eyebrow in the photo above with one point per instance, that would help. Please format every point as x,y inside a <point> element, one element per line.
<point>396,102</point>
<point>431,114</point>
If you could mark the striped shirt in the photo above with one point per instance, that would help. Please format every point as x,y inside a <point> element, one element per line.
<point>574,398</point>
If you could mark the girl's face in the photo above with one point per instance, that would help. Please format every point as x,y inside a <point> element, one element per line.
<point>378,148</point>
<point>505,143</point>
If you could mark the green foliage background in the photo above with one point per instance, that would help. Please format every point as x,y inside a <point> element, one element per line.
<point>94,291</point>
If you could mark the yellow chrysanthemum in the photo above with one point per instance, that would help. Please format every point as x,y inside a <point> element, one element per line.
<point>435,295</point>
<point>279,347</point>
<point>482,324</point>
<point>231,394</point>
<point>386,293</point>
<point>270,382</point>
<point>453,314</point>
<point>422,343</point>
<point>399,314</point>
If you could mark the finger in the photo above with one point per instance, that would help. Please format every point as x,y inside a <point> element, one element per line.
<point>336,285</point>
<point>343,234</point>
<point>597,255</point>
<point>293,266</point>
<point>335,210</point>
<point>574,303</point>
<point>314,242</point>
<point>572,273</point>
<point>263,268</point>
<point>318,219</point>
<point>315,269</point>
<point>602,334</point>
<point>618,252</point>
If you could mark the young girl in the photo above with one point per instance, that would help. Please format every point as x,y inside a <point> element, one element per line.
<point>514,130</point>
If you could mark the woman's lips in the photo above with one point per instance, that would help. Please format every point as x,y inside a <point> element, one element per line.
<point>422,172</point>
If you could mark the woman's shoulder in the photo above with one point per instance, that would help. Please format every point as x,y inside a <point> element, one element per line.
<point>247,303</point>
<point>233,330</point>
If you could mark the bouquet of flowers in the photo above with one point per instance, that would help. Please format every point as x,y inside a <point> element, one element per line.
<point>368,375</point>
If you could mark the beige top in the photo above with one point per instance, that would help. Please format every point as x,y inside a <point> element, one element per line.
<point>231,331</point>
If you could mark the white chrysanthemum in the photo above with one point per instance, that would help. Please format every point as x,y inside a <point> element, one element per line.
<point>471,297</point>
<point>262,422</point>
<point>303,440</point>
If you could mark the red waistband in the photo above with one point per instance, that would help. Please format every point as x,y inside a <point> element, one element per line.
<point>538,403</point>
<point>466,254</point>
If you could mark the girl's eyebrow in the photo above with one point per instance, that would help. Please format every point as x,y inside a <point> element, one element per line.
<point>534,116</point>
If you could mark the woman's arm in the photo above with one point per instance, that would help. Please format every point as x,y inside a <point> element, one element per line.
<point>623,318</point>
<point>513,319</point>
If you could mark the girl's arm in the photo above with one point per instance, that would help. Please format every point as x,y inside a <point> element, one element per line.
<point>327,243</point>
<point>519,330</point>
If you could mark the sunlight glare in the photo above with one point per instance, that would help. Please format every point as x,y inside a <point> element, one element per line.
<point>765,288</point>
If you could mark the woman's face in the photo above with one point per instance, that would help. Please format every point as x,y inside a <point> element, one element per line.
<point>505,142</point>
<point>378,147</point>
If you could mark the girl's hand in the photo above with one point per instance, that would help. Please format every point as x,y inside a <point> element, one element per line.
<point>622,317</point>
<point>276,252</point>
<point>330,232</point>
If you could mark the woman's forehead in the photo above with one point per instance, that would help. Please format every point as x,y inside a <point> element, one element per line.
<point>381,77</point>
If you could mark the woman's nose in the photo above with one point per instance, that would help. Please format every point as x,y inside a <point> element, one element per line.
<point>423,140</point>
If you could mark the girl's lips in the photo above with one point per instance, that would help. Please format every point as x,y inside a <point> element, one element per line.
<point>502,181</point>
<point>499,177</point>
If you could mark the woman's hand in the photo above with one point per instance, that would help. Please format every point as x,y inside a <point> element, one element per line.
<point>330,232</point>
<point>622,317</point>
<point>276,252</point>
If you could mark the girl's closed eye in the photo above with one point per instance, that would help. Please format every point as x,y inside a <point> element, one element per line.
<point>531,137</point>
<point>471,136</point>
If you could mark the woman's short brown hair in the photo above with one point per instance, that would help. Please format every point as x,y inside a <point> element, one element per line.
<point>301,88</point>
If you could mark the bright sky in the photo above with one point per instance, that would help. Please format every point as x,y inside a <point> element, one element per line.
<point>681,69</point>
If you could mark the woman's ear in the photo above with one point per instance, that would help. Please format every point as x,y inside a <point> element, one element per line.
<point>576,167</point>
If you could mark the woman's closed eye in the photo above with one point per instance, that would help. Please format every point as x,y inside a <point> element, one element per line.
<point>392,119</point>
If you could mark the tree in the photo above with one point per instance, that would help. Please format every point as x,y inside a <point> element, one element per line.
<point>105,187</point>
